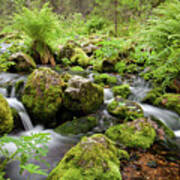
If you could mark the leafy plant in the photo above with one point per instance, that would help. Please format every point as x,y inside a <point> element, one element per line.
<point>27,147</point>
<point>41,26</point>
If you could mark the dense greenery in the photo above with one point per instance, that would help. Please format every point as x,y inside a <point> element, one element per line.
<point>103,60</point>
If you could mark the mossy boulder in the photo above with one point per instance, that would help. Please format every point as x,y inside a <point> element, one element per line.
<point>124,109</point>
<point>66,51</point>
<point>105,79</point>
<point>82,95</point>
<point>23,63</point>
<point>80,58</point>
<point>78,126</point>
<point>6,118</point>
<point>152,95</point>
<point>169,101</point>
<point>77,69</point>
<point>122,90</point>
<point>42,95</point>
<point>136,134</point>
<point>105,65</point>
<point>93,158</point>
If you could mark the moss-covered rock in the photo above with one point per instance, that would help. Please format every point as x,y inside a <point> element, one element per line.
<point>122,90</point>
<point>105,79</point>
<point>6,118</point>
<point>125,109</point>
<point>105,65</point>
<point>23,63</point>
<point>152,95</point>
<point>136,134</point>
<point>82,95</point>
<point>66,51</point>
<point>93,158</point>
<point>77,126</point>
<point>80,58</point>
<point>169,101</point>
<point>42,95</point>
<point>77,69</point>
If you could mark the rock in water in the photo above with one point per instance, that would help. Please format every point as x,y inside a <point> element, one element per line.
<point>95,157</point>
<point>82,95</point>
<point>43,95</point>
<point>23,62</point>
<point>6,118</point>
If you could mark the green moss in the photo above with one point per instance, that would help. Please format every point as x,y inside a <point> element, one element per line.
<point>77,69</point>
<point>43,95</point>
<point>6,118</point>
<point>105,79</point>
<point>124,109</point>
<point>122,154</point>
<point>93,158</point>
<point>122,90</point>
<point>82,95</point>
<point>136,134</point>
<point>169,101</point>
<point>152,95</point>
<point>77,126</point>
<point>80,58</point>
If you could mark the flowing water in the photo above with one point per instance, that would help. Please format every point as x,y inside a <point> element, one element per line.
<point>59,145</point>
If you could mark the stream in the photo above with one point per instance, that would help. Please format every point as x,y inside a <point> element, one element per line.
<point>59,145</point>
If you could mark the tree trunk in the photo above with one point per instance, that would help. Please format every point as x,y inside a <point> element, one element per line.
<point>116,17</point>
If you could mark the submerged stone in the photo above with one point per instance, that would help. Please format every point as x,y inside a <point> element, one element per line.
<point>82,95</point>
<point>124,109</point>
<point>136,134</point>
<point>93,158</point>
<point>6,118</point>
<point>42,95</point>
<point>78,126</point>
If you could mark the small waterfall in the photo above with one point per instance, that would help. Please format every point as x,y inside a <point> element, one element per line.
<point>14,103</point>
<point>108,95</point>
<point>171,119</point>
<point>139,89</point>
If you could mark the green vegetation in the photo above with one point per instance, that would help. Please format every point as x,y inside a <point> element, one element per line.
<point>27,147</point>
<point>122,90</point>
<point>86,46</point>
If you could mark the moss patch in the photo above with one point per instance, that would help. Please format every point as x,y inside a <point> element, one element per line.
<point>122,90</point>
<point>124,109</point>
<point>136,134</point>
<point>169,101</point>
<point>105,79</point>
<point>6,118</point>
<point>93,158</point>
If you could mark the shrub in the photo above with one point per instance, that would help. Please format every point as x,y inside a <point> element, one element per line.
<point>41,26</point>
